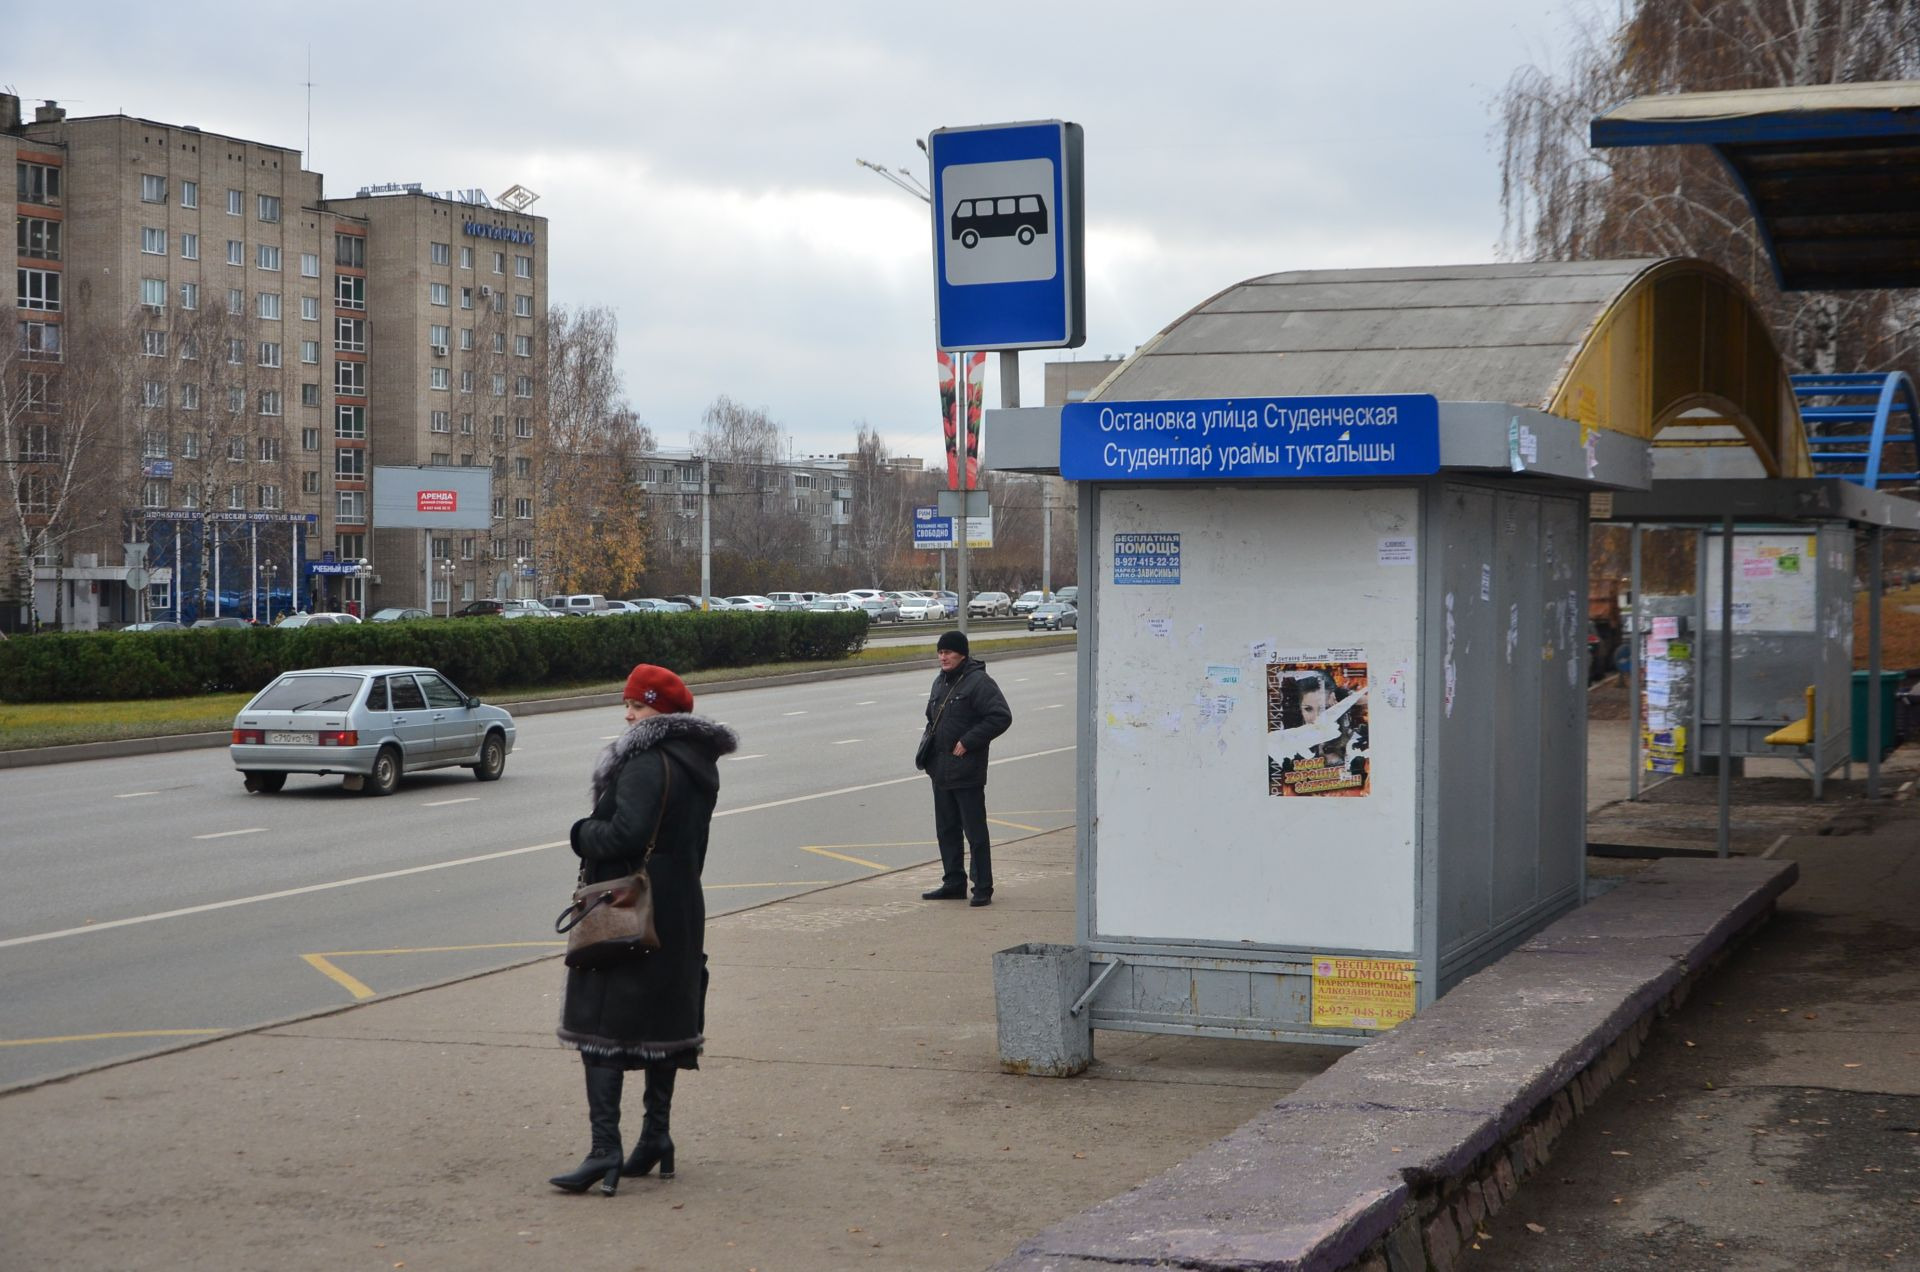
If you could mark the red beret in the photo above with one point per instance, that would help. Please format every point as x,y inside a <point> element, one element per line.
<point>658,688</point>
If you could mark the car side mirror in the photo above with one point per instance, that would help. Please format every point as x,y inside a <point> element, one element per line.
<point>473,700</point>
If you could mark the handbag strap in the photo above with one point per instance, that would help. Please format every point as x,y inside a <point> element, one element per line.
<point>666,784</point>
<point>935,722</point>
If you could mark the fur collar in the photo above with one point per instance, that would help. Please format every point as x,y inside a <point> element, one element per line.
<point>707,735</point>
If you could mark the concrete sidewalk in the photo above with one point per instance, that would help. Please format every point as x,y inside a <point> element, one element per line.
<point>850,1111</point>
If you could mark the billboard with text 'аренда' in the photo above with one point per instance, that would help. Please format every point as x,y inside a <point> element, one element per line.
<point>439,497</point>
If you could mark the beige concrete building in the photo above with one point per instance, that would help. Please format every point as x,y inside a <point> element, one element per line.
<point>235,311</point>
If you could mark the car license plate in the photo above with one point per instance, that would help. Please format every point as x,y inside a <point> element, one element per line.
<point>290,739</point>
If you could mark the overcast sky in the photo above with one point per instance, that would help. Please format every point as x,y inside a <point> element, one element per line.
<point>696,162</point>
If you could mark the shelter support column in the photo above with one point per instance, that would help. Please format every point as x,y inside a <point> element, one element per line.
<point>1726,684</point>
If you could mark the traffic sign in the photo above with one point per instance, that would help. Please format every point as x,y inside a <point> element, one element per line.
<point>931,530</point>
<point>1008,232</point>
<point>1227,439</point>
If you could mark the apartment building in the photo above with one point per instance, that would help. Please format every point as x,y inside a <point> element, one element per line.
<point>206,282</point>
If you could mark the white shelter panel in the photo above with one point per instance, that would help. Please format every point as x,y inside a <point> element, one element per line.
<point>1774,582</point>
<point>1256,740</point>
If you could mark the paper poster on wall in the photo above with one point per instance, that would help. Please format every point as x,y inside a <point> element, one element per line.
<point>1317,739</point>
<point>1146,558</point>
<point>1666,750</point>
<point>1361,993</point>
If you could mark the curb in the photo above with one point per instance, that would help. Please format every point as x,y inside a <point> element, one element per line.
<point>519,707</point>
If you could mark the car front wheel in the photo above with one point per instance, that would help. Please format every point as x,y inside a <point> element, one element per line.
<point>265,783</point>
<point>493,759</point>
<point>385,778</point>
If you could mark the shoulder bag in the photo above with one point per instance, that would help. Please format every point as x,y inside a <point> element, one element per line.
<point>612,921</point>
<point>923,754</point>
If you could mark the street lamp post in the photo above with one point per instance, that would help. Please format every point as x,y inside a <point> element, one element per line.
<point>446,573</point>
<point>268,569</point>
<point>519,577</point>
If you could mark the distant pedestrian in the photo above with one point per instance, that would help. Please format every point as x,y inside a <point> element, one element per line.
<point>649,1012</point>
<point>966,712</point>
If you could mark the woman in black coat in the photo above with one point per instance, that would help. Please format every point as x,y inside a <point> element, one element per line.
<point>648,1012</point>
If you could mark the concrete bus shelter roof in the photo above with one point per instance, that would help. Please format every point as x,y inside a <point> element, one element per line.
<point>1831,171</point>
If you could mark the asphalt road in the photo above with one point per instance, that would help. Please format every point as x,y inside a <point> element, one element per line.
<point>151,900</point>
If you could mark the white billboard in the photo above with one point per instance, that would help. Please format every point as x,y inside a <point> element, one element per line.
<point>438,497</point>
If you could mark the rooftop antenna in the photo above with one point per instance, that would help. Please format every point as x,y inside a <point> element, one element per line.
<point>309,84</point>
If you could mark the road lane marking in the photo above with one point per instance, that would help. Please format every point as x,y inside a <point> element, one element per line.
<point>854,790</point>
<point>135,794</point>
<point>784,883</point>
<point>869,702</point>
<point>792,713</point>
<point>1053,706</point>
<point>107,1037</point>
<point>442,803</point>
<point>1016,826</point>
<point>757,755</point>
<point>277,896</point>
<point>322,962</point>
<point>841,856</point>
<point>848,741</point>
<point>228,834</point>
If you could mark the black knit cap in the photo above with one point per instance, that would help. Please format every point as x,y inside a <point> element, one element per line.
<point>956,641</point>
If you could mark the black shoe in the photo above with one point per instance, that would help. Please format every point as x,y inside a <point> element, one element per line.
<point>980,899</point>
<point>648,1153</point>
<point>944,894</point>
<point>604,1167</point>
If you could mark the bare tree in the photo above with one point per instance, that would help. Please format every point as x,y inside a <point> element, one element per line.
<point>1564,200</point>
<point>880,535</point>
<point>59,404</point>
<point>755,523</point>
<point>592,511</point>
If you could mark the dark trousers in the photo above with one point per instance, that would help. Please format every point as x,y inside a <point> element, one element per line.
<point>955,812</point>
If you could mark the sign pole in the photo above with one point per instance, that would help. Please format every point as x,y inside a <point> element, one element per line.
<point>959,361</point>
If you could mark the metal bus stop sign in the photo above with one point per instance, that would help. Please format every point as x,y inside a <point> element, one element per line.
<point>1008,234</point>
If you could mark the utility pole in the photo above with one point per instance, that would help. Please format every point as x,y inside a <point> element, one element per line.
<point>1046,539</point>
<point>706,534</point>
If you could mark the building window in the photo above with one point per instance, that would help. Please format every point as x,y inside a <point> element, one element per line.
<point>153,291</point>
<point>439,459</point>
<point>466,301</point>
<point>437,378</point>
<point>37,183</point>
<point>269,496</point>
<point>350,422</point>
<point>466,423</point>
<point>499,465</point>
<point>466,258</point>
<point>35,493</point>
<point>189,247</point>
<point>236,350</point>
<point>437,336</point>
<point>189,194</point>
<point>189,297</point>
<point>310,480</point>
<point>266,256</point>
<point>153,394</point>
<point>466,549</point>
<point>499,506</point>
<point>236,403</point>
<point>190,449</point>
<point>269,207</point>
<point>349,292</point>
<point>36,237</point>
<point>309,264</point>
<point>309,395</point>
<point>310,351</point>
<point>436,293</point>
<point>523,386</point>
<point>523,467</point>
<point>466,338</point>
<point>269,353</point>
<point>350,464</point>
<point>153,242</point>
<point>350,250</point>
<point>350,378</point>
<point>153,494</point>
<point>499,427</point>
<point>37,289</point>
<point>439,422</point>
<point>189,397</point>
<point>523,508</point>
<point>523,267</point>
<point>499,342</point>
<point>153,343</point>
<point>523,306</point>
<point>271,403</point>
<point>40,341</point>
<point>499,262</point>
<point>236,497</point>
<point>190,494</point>
<point>190,347</point>
<point>522,426</point>
<point>350,334</point>
<point>236,252</point>
<point>499,305</point>
<point>269,304</point>
<point>310,309</point>
<point>236,301</point>
<point>153,189</point>
<point>270,448</point>
<point>499,384</point>
<point>350,547</point>
<point>233,203</point>
<point>153,444</point>
<point>441,253</point>
<point>350,505</point>
<point>523,346</point>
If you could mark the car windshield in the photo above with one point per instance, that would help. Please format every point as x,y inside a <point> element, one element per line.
<point>307,693</point>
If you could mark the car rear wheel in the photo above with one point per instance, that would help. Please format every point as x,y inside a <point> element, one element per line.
<point>385,778</point>
<point>265,783</point>
<point>493,758</point>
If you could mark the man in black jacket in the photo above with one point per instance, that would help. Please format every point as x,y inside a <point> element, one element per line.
<point>966,712</point>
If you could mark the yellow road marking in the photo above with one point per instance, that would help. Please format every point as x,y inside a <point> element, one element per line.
<point>841,856</point>
<point>790,883</point>
<point>1016,825</point>
<point>101,1037</point>
<point>323,964</point>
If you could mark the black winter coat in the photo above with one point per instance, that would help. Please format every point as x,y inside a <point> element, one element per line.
<point>977,715</point>
<point>652,1008</point>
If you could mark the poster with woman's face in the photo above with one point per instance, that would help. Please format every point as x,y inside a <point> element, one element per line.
<point>1317,724</point>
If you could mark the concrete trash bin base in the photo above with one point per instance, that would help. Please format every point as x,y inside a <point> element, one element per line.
<point>1033,986</point>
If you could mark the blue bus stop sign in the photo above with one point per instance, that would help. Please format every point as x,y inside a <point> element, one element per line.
<point>1008,231</point>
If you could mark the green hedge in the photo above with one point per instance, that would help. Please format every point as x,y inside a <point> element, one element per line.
<point>480,655</point>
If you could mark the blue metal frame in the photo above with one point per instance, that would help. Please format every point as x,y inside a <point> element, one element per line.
<point>1874,397</point>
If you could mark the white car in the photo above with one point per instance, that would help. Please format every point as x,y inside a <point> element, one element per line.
<point>749,602</point>
<point>920,609</point>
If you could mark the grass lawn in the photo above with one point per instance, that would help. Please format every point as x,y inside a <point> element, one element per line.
<point>25,725</point>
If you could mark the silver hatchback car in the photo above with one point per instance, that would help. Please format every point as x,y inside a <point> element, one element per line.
<point>372,724</point>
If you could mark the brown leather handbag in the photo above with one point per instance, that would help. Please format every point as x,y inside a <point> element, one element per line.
<point>612,921</point>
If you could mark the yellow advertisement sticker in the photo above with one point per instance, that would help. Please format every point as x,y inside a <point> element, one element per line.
<point>1361,993</point>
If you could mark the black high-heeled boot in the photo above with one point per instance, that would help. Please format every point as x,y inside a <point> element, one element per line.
<point>602,1161</point>
<point>655,1145</point>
